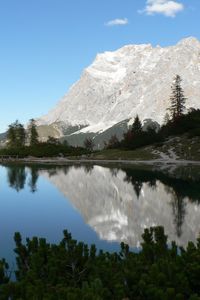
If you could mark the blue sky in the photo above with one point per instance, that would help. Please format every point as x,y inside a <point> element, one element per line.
<point>46,44</point>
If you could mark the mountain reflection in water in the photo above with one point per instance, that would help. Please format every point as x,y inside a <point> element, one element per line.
<point>118,203</point>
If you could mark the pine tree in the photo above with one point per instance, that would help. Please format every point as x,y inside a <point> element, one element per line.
<point>113,142</point>
<point>20,135</point>
<point>16,135</point>
<point>53,141</point>
<point>137,126</point>
<point>32,133</point>
<point>11,137</point>
<point>89,144</point>
<point>177,99</point>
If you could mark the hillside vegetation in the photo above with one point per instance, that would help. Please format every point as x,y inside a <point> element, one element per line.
<point>177,138</point>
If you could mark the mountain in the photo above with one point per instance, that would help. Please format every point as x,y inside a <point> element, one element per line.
<point>3,139</point>
<point>136,79</point>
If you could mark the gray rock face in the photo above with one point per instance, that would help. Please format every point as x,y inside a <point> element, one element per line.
<point>135,79</point>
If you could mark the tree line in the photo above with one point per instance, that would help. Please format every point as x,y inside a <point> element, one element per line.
<point>176,122</point>
<point>17,136</point>
<point>26,142</point>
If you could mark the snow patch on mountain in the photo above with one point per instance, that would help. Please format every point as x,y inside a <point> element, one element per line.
<point>135,79</point>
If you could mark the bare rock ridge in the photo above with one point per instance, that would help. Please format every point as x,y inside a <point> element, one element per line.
<point>136,79</point>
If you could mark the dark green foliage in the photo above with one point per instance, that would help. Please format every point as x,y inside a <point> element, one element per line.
<point>32,133</point>
<point>188,123</point>
<point>11,136</point>
<point>144,138</point>
<point>44,150</point>
<point>72,270</point>
<point>177,106</point>
<point>137,126</point>
<point>185,124</point>
<point>4,278</point>
<point>53,141</point>
<point>89,144</point>
<point>112,143</point>
<point>16,135</point>
<point>23,144</point>
<point>135,137</point>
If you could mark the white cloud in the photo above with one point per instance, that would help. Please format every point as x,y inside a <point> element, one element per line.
<point>117,22</point>
<point>165,7</point>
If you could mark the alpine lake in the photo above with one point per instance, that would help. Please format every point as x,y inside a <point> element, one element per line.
<point>99,204</point>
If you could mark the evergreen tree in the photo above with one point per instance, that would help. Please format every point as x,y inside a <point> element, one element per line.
<point>113,142</point>
<point>177,99</point>
<point>11,136</point>
<point>160,270</point>
<point>20,135</point>
<point>16,135</point>
<point>53,141</point>
<point>89,144</point>
<point>137,126</point>
<point>32,133</point>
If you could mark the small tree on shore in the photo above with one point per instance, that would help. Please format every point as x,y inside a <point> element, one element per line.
<point>137,126</point>
<point>32,133</point>
<point>113,142</point>
<point>53,141</point>
<point>177,99</point>
<point>21,135</point>
<point>89,144</point>
<point>16,135</point>
<point>11,137</point>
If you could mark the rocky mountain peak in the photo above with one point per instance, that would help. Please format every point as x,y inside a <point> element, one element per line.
<point>135,79</point>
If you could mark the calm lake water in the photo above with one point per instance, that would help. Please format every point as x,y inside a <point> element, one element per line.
<point>104,205</point>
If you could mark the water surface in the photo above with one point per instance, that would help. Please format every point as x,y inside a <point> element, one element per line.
<point>104,205</point>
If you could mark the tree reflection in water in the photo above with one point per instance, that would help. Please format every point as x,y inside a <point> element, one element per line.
<point>16,177</point>
<point>178,187</point>
<point>17,174</point>
<point>33,179</point>
<point>179,211</point>
<point>88,169</point>
<point>182,188</point>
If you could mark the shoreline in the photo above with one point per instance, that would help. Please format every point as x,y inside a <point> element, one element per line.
<point>65,161</point>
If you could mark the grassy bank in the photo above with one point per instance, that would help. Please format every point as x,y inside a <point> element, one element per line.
<point>179,148</point>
